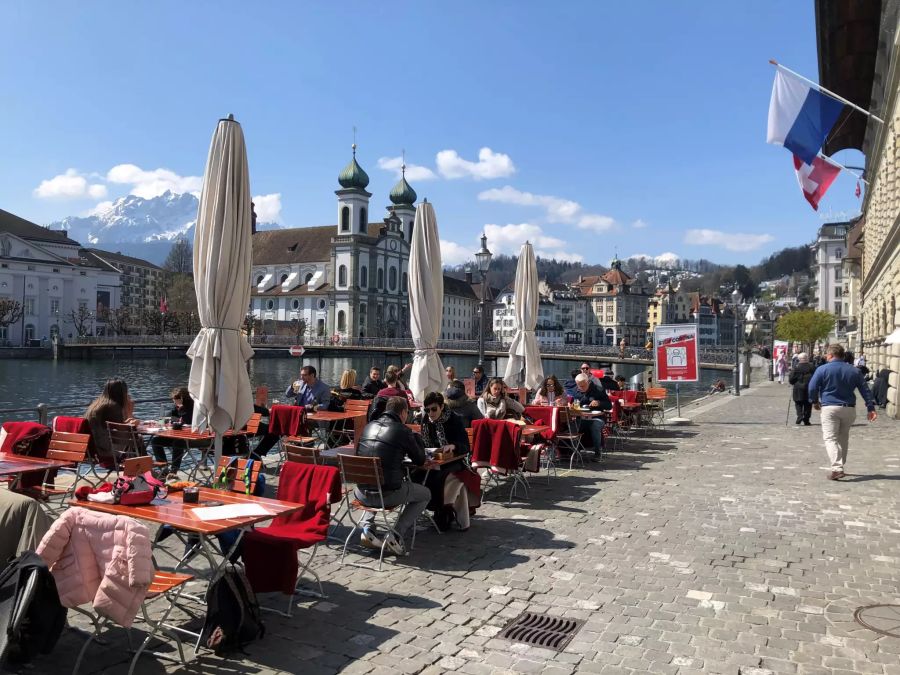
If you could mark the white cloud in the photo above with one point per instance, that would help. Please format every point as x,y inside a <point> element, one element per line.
<point>664,260</point>
<point>509,238</point>
<point>559,255</point>
<point>490,164</point>
<point>69,185</point>
<point>268,208</point>
<point>557,209</point>
<point>455,254</point>
<point>99,209</point>
<point>731,241</point>
<point>638,224</point>
<point>414,172</point>
<point>152,183</point>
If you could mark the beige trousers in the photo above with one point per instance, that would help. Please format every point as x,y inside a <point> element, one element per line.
<point>836,423</point>
<point>455,493</point>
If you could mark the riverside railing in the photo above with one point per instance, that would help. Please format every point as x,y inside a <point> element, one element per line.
<point>42,411</point>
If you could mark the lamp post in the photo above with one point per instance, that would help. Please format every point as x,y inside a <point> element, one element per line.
<point>771,345</point>
<point>735,301</point>
<point>483,262</point>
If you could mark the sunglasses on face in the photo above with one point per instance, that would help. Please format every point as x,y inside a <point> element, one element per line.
<point>585,368</point>
<point>432,409</point>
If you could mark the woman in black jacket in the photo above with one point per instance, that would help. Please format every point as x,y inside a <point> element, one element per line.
<point>182,413</point>
<point>800,377</point>
<point>445,430</point>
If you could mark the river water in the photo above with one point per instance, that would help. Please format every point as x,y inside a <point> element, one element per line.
<point>24,383</point>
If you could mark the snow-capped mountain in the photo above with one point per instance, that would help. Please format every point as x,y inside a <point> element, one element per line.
<point>134,223</point>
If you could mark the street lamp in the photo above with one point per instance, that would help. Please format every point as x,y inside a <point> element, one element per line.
<point>771,317</point>
<point>483,262</point>
<point>735,301</point>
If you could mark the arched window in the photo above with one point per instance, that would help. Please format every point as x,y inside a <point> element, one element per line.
<point>342,321</point>
<point>404,282</point>
<point>270,304</point>
<point>392,278</point>
<point>283,278</point>
<point>363,220</point>
<point>307,278</point>
<point>295,303</point>
<point>259,279</point>
<point>380,278</point>
<point>364,277</point>
<point>342,275</point>
<point>345,219</point>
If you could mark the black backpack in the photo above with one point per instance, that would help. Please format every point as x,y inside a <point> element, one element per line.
<point>233,617</point>
<point>31,617</point>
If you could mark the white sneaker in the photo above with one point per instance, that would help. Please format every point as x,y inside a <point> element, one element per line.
<point>369,540</point>
<point>395,546</point>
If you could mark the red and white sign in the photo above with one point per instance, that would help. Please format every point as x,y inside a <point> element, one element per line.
<point>780,347</point>
<point>296,350</point>
<point>675,351</point>
<point>815,179</point>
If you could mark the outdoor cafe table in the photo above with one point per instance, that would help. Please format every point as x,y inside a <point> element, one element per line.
<point>172,511</point>
<point>192,440</point>
<point>15,465</point>
<point>340,424</point>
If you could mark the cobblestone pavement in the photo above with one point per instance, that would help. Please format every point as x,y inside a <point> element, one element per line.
<point>714,548</point>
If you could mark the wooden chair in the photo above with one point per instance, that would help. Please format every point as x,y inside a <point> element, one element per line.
<point>469,384</point>
<point>361,405</point>
<point>568,436</point>
<point>135,466</point>
<point>367,471</point>
<point>261,396</point>
<point>656,404</point>
<point>66,447</point>
<point>125,443</point>
<point>303,454</point>
<point>232,474</point>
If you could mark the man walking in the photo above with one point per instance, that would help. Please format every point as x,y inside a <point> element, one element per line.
<point>832,390</point>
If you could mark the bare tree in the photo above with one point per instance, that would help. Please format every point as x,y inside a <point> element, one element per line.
<point>116,319</point>
<point>10,312</point>
<point>298,328</point>
<point>251,324</point>
<point>181,258</point>
<point>80,319</point>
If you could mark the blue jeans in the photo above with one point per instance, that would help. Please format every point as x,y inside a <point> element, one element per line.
<point>595,429</point>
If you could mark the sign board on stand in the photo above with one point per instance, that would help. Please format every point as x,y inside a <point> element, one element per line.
<point>296,350</point>
<point>778,348</point>
<point>676,356</point>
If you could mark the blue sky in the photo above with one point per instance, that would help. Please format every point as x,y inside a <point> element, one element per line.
<point>609,127</point>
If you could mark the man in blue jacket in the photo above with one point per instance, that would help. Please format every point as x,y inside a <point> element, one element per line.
<point>832,390</point>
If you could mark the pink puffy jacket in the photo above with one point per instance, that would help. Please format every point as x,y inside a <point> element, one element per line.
<point>100,559</point>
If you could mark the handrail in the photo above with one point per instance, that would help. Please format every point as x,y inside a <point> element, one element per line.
<point>42,410</point>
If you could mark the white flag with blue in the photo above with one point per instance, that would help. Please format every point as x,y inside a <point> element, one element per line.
<point>800,117</point>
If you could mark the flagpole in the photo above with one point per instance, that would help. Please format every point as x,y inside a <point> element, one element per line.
<point>826,91</point>
<point>842,168</point>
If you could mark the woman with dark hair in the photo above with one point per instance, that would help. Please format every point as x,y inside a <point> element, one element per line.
<point>550,393</point>
<point>443,429</point>
<point>458,402</point>
<point>113,405</point>
<point>495,404</point>
<point>182,413</point>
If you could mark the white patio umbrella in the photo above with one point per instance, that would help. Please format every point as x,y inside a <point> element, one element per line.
<point>426,300</point>
<point>524,352</point>
<point>219,383</point>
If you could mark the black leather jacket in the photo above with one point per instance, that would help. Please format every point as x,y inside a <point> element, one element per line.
<point>391,440</point>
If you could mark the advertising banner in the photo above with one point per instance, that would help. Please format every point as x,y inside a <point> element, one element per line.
<point>675,351</point>
<point>780,347</point>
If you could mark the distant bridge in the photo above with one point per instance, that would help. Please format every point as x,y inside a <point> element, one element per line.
<point>716,358</point>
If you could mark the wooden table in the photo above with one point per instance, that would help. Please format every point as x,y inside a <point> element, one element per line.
<point>531,430</point>
<point>15,465</point>
<point>343,423</point>
<point>193,440</point>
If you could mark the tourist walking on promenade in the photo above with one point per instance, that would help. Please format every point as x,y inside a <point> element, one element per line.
<point>832,390</point>
<point>781,367</point>
<point>800,376</point>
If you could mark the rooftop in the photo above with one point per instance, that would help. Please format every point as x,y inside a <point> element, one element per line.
<point>15,225</point>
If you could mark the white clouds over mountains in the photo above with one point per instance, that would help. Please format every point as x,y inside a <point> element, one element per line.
<point>69,185</point>
<point>556,209</point>
<point>149,184</point>
<point>730,241</point>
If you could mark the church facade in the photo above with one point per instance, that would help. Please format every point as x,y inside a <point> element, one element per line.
<point>341,281</point>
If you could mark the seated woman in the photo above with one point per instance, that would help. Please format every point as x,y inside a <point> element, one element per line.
<point>495,404</point>
<point>458,402</point>
<point>347,390</point>
<point>551,393</point>
<point>113,405</point>
<point>182,412</point>
<point>442,428</point>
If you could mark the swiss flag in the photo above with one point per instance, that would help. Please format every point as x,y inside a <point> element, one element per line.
<point>815,179</point>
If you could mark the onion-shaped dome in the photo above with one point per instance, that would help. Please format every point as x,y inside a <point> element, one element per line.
<point>402,193</point>
<point>353,175</point>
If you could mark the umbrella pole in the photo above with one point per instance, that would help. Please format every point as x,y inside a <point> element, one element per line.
<point>217,452</point>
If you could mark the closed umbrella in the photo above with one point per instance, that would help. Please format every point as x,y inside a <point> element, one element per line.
<point>524,352</point>
<point>219,383</point>
<point>426,300</point>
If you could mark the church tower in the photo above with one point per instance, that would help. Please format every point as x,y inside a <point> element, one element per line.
<point>353,200</point>
<point>403,198</point>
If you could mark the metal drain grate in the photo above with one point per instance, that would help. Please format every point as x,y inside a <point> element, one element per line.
<point>541,630</point>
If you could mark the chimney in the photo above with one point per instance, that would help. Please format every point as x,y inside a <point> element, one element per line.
<point>469,278</point>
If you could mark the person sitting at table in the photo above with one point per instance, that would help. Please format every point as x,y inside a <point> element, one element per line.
<point>457,400</point>
<point>442,428</point>
<point>393,388</point>
<point>389,439</point>
<point>450,373</point>
<point>373,383</point>
<point>481,380</point>
<point>622,382</point>
<point>495,404</point>
<point>182,412</point>
<point>569,385</point>
<point>311,393</point>
<point>587,370</point>
<point>113,405</point>
<point>589,395</point>
<point>550,393</point>
<point>610,382</point>
<point>348,390</point>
